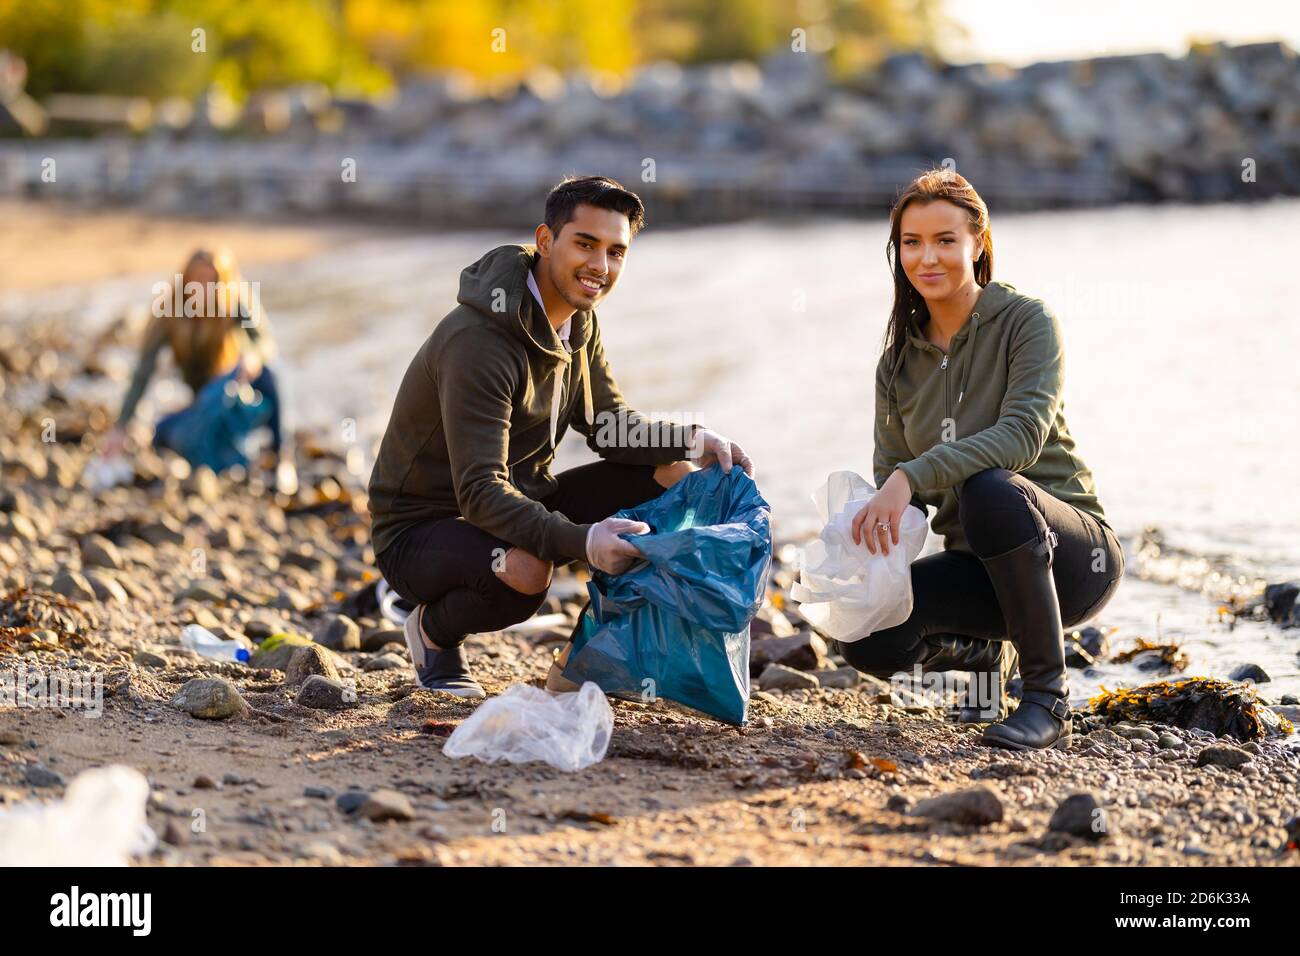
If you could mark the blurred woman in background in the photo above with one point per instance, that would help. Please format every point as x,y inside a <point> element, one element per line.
<point>221,342</point>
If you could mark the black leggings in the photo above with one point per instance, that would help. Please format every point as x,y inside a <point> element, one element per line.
<point>951,591</point>
<point>448,565</point>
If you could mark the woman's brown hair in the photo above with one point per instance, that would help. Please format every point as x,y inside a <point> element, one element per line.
<point>948,185</point>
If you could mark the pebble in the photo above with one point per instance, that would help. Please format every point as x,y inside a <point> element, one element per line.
<point>350,800</point>
<point>383,662</point>
<point>1221,755</point>
<point>99,552</point>
<point>841,678</point>
<point>1250,672</point>
<point>209,698</point>
<point>976,806</point>
<point>39,775</point>
<point>147,658</point>
<point>203,589</point>
<point>73,585</point>
<point>1080,815</point>
<point>307,661</point>
<point>339,633</point>
<point>106,588</point>
<point>384,804</point>
<point>376,639</point>
<point>320,693</point>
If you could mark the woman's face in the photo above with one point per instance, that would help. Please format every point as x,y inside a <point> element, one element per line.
<point>937,249</point>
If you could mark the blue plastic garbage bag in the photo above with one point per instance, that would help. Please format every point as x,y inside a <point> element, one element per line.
<point>213,430</point>
<point>677,624</point>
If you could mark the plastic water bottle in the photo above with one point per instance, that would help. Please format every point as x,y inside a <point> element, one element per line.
<point>203,641</point>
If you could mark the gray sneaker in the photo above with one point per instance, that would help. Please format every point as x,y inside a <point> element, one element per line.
<point>440,669</point>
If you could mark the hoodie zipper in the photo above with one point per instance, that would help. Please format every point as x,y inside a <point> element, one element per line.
<point>947,394</point>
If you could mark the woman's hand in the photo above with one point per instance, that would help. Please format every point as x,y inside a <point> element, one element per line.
<point>885,509</point>
<point>114,443</point>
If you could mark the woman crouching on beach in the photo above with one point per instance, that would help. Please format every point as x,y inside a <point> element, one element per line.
<point>970,419</point>
<point>216,331</point>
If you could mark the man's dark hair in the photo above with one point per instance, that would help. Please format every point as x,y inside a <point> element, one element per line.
<point>599,191</point>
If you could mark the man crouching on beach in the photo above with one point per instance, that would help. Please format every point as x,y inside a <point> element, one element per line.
<point>468,522</point>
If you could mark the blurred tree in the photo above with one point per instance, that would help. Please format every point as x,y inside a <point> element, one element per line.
<point>361,46</point>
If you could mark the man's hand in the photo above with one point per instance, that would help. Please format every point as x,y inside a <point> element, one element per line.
<point>606,551</point>
<point>709,447</point>
<point>878,523</point>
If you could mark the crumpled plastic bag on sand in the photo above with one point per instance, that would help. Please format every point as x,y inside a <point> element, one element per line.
<point>844,590</point>
<point>526,723</point>
<point>99,822</point>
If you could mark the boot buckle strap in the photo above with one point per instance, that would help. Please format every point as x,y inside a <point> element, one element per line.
<point>1056,706</point>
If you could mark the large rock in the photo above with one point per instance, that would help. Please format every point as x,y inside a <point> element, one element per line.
<point>339,633</point>
<point>209,698</point>
<point>780,677</point>
<point>804,651</point>
<point>977,806</point>
<point>307,661</point>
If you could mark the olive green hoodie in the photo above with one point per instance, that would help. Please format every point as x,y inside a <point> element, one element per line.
<point>992,401</point>
<point>484,403</point>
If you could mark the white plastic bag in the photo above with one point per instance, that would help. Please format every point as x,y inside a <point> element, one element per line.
<point>99,822</point>
<point>844,590</point>
<point>104,472</point>
<point>568,731</point>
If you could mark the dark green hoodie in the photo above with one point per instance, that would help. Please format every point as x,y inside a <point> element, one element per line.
<point>484,403</point>
<point>992,401</point>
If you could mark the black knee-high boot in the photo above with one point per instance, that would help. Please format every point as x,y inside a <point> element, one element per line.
<point>1026,591</point>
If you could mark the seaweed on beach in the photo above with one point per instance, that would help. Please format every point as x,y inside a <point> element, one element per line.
<point>1224,708</point>
<point>1151,656</point>
<point>25,611</point>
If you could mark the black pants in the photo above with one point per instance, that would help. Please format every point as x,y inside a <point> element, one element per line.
<point>449,565</point>
<point>951,591</point>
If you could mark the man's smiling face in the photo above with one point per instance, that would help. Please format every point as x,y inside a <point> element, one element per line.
<point>585,258</point>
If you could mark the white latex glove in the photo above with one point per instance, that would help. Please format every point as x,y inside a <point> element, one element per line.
<point>606,551</point>
<point>709,447</point>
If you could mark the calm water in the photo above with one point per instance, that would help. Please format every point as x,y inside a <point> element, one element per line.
<point>1182,383</point>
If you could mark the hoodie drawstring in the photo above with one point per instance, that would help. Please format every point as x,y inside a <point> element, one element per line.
<point>970,361</point>
<point>557,395</point>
